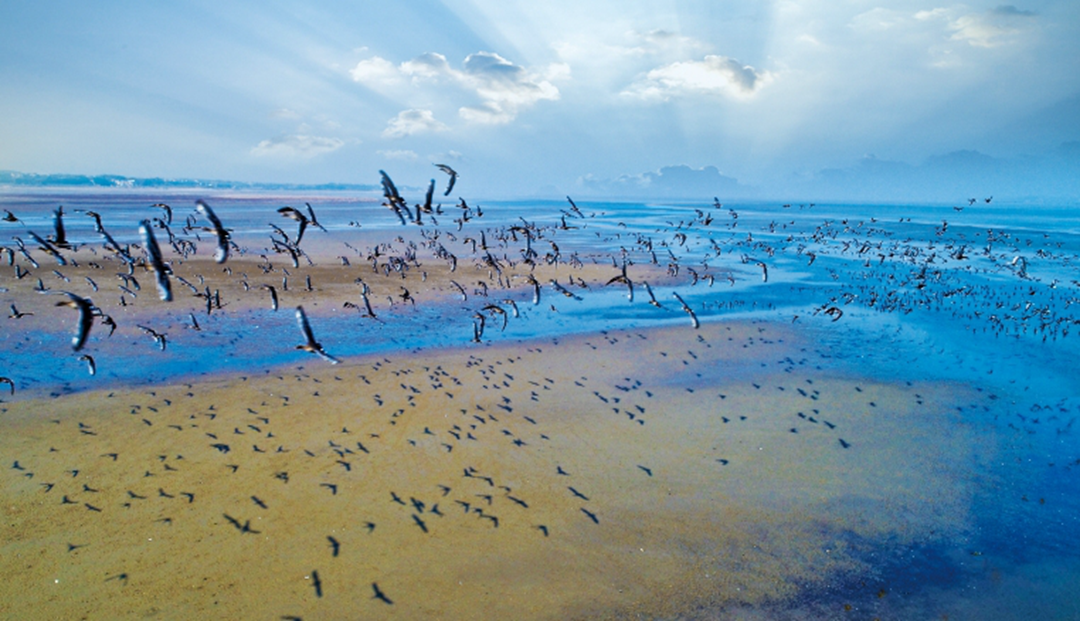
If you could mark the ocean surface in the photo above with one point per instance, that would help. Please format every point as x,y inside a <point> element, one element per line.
<point>979,294</point>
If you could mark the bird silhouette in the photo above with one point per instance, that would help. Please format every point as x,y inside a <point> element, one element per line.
<point>310,344</point>
<point>453,177</point>
<point>86,317</point>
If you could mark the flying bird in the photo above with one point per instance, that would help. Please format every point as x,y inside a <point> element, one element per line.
<point>273,296</point>
<point>158,337</point>
<point>222,251</point>
<point>153,251</point>
<point>310,344</point>
<point>91,366</point>
<point>686,308</point>
<point>294,214</point>
<point>86,317</point>
<point>311,218</point>
<point>453,177</point>
<point>60,236</point>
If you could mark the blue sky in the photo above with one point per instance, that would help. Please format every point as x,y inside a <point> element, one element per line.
<point>523,96</point>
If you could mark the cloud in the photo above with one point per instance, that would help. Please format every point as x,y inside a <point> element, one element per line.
<point>374,70</point>
<point>297,145</point>
<point>502,87</point>
<point>429,65</point>
<point>1008,9</point>
<point>712,75</point>
<point>400,154</point>
<point>411,122</point>
<point>992,28</point>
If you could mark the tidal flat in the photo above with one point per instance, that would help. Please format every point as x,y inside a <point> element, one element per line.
<point>520,428</point>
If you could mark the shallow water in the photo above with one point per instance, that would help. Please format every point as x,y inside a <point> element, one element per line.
<point>969,509</point>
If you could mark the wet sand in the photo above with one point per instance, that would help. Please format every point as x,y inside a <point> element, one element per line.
<point>711,459</point>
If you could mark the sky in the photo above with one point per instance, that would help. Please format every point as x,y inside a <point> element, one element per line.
<point>533,98</point>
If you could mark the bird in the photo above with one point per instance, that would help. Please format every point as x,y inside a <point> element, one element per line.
<point>222,251</point>
<point>90,364</point>
<point>379,595</point>
<point>310,344</point>
<point>153,251</point>
<point>623,278</point>
<point>273,296</point>
<point>578,494</point>
<point>15,314</point>
<point>293,214</point>
<point>453,177</point>
<point>167,209</point>
<point>60,235</point>
<point>49,248</point>
<point>687,310</point>
<point>158,337</point>
<point>835,312</point>
<point>86,317</point>
<point>9,382</point>
<point>311,218</point>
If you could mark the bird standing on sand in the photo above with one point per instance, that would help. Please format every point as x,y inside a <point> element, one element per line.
<point>310,344</point>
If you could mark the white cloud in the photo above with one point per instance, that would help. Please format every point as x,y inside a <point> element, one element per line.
<point>297,145</point>
<point>712,75</point>
<point>411,122</point>
<point>374,71</point>
<point>503,88</point>
<point>429,65</point>
<point>986,29</point>
<point>992,28</point>
<point>399,154</point>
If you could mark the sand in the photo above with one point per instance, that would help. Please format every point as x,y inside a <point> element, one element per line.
<point>711,459</point>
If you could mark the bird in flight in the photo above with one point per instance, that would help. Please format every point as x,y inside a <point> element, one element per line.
<point>86,317</point>
<point>294,214</point>
<point>222,251</point>
<point>310,344</point>
<point>153,251</point>
<point>453,177</point>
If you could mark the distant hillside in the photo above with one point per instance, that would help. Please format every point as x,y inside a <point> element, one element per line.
<point>13,178</point>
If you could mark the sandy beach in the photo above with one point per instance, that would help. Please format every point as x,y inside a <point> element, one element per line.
<point>714,469</point>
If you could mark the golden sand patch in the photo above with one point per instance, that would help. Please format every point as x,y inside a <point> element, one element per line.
<point>635,472</point>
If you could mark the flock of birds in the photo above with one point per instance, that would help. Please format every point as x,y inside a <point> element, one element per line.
<point>899,273</point>
<point>711,260</point>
